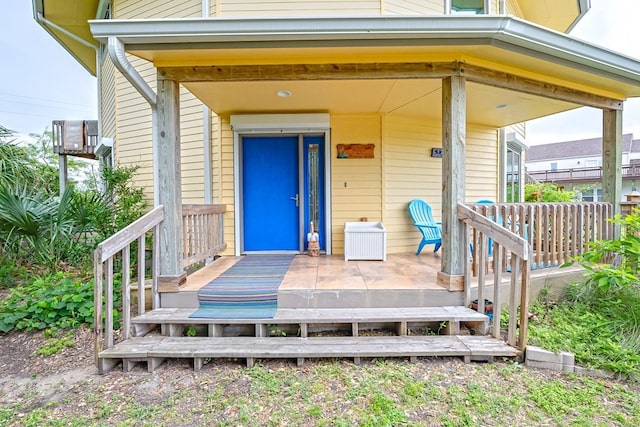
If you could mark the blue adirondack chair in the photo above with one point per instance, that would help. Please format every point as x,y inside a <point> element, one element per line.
<point>431,231</point>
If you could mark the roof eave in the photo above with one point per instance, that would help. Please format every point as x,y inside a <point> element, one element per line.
<point>501,31</point>
<point>38,12</point>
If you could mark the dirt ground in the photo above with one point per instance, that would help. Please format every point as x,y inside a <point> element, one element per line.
<point>41,390</point>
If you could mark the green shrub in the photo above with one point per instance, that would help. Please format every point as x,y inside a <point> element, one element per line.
<point>612,265</point>
<point>54,301</point>
<point>547,192</point>
<point>592,331</point>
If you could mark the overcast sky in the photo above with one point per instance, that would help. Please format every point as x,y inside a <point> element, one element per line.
<point>41,82</point>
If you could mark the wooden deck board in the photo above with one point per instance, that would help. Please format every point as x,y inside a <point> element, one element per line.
<point>324,315</point>
<point>320,347</point>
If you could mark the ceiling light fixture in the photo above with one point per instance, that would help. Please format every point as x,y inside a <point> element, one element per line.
<point>500,106</point>
<point>283,93</point>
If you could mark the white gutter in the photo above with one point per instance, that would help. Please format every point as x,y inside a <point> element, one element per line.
<point>119,58</point>
<point>206,134</point>
<point>505,32</point>
<point>583,8</point>
<point>43,21</point>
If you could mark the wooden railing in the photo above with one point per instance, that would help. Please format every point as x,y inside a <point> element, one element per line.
<point>594,173</point>
<point>514,238</point>
<point>503,242</point>
<point>104,256</point>
<point>556,231</point>
<point>203,232</point>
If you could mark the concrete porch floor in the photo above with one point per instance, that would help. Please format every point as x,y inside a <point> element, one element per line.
<point>328,281</point>
<point>399,271</point>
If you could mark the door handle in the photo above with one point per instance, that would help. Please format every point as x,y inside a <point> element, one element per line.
<point>297,199</point>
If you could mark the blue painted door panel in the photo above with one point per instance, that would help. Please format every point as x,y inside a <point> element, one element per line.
<point>269,187</point>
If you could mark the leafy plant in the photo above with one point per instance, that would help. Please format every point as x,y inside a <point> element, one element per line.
<point>547,192</point>
<point>56,342</point>
<point>612,265</point>
<point>53,301</point>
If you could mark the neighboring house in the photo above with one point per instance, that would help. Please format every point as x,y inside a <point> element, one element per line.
<point>577,165</point>
<point>298,111</point>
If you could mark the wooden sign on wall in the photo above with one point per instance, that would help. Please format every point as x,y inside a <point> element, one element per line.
<point>355,151</point>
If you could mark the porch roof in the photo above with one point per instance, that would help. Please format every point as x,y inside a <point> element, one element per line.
<point>499,43</point>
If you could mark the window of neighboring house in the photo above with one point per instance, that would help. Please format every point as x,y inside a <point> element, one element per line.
<point>471,7</point>
<point>592,163</point>
<point>554,166</point>
<point>513,168</point>
<point>592,195</point>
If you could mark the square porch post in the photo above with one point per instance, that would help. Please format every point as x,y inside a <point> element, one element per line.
<point>169,186</point>
<point>612,158</point>
<point>612,161</point>
<point>454,104</point>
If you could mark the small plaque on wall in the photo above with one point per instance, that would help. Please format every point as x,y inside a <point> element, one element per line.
<point>355,151</point>
<point>436,152</point>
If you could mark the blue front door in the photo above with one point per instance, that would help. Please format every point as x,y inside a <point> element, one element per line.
<point>270,194</point>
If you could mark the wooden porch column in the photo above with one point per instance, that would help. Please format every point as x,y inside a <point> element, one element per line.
<point>454,117</point>
<point>612,158</point>
<point>172,274</point>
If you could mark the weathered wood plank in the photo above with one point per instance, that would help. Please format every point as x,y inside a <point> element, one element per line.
<point>169,178</point>
<point>251,348</point>
<point>280,72</point>
<point>328,315</point>
<point>510,81</point>
<point>124,237</point>
<point>612,159</point>
<point>454,104</point>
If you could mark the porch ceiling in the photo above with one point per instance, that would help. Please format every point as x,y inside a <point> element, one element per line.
<point>494,43</point>
<point>420,98</point>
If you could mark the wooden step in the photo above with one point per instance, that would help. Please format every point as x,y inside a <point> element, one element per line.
<point>174,320</point>
<point>153,349</point>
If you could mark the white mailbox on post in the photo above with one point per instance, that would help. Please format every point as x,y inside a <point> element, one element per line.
<point>365,241</point>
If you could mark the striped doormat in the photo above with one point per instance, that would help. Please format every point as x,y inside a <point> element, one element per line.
<point>248,290</point>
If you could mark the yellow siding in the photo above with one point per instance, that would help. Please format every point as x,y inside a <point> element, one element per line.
<point>518,128</point>
<point>413,7</point>
<point>216,160</point>
<point>266,8</point>
<point>108,97</point>
<point>482,163</point>
<point>191,148</point>
<point>226,183</point>
<point>127,9</point>
<point>133,133</point>
<point>356,188</point>
<point>134,124</point>
<point>513,8</point>
<point>410,172</point>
